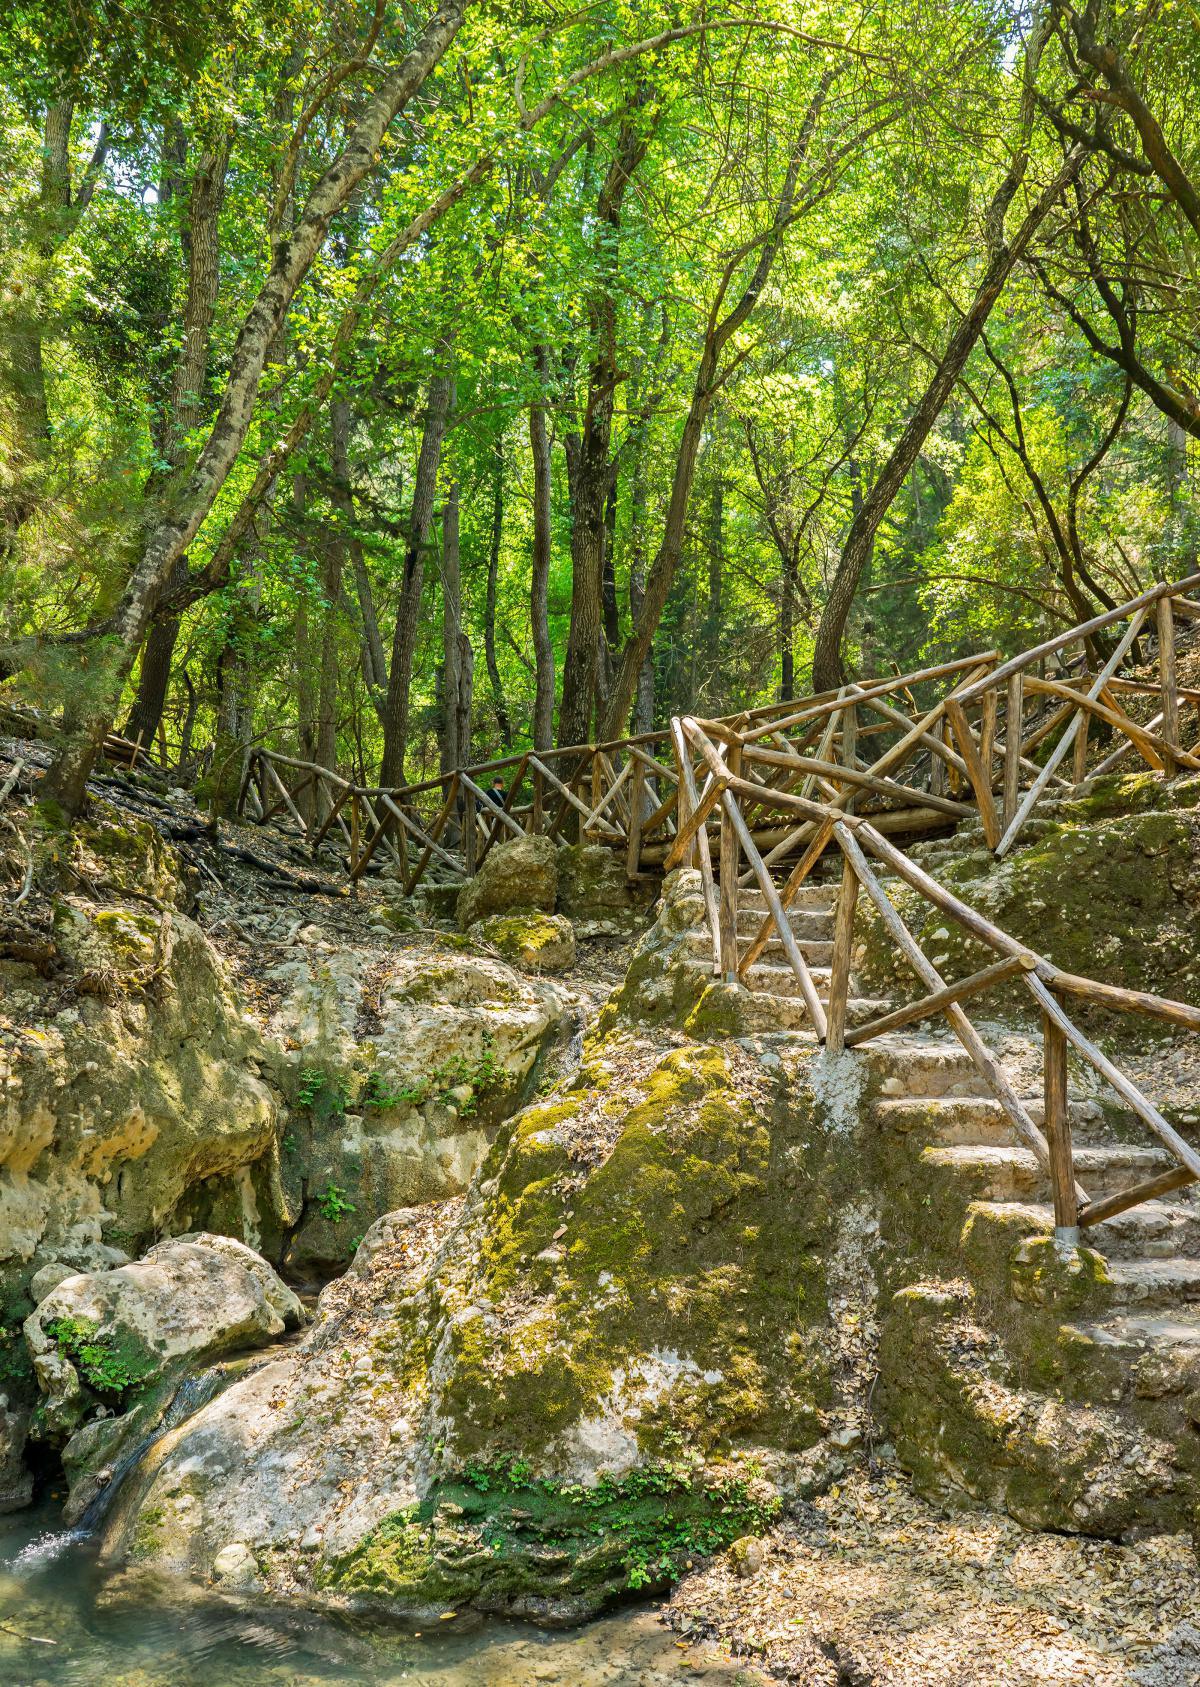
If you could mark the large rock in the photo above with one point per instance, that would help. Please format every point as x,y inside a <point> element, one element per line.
<point>522,873</point>
<point>127,1081</point>
<point>398,1080</point>
<point>628,1328</point>
<point>109,1348</point>
<point>594,892</point>
<point>534,941</point>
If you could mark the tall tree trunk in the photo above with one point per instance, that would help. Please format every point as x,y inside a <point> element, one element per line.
<point>589,469</point>
<point>374,658</point>
<point>828,670</point>
<point>408,615</point>
<point>174,529</point>
<point>713,608</point>
<point>200,238</point>
<point>450,750</point>
<point>539,583</point>
<point>787,631</point>
<point>489,615</point>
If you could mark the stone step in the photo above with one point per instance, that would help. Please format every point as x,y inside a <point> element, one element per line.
<point>964,1121</point>
<point>1155,1230</point>
<point>805,922</point>
<point>993,1173</point>
<point>1152,1283</point>
<point>816,951</point>
<point>908,1065</point>
<point>811,896</point>
<point>766,1013</point>
<point>1171,1336</point>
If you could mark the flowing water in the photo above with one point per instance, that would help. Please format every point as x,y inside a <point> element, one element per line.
<point>60,1626</point>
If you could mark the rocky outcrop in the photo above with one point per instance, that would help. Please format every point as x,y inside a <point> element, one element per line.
<point>595,894</point>
<point>519,874</point>
<point>126,1082</point>
<point>110,1348</point>
<point>534,941</point>
<point>397,1080</point>
<point>627,1347</point>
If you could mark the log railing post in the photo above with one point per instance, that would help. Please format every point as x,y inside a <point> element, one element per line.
<point>839,974</point>
<point>989,707</point>
<point>1013,729</point>
<point>1079,763</point>
<point>637,798</point>
<point>1167,681</point>
<point>470,837</point>
<point>536,815</point>
<point>729,877</point>
<point>355,832</point>
<point>1057,1126</point>
<point>849,758</point>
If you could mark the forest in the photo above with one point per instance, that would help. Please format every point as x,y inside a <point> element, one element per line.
<point>600,843</point>
<point>396,386</point>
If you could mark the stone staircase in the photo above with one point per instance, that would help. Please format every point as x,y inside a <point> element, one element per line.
<point>775,1000</point>
<point>1122,1338</point>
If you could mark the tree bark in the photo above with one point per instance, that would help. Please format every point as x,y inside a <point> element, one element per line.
<point>539,582</point>
<point>408,614</point>
<point>499,701</point>
<point>451,755</point>
<point>828,669</point>
<point>171,533</point>
<point>589,467</point>
<point>200,238</point>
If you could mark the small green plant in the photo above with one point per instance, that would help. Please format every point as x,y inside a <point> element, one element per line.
<point>459,1069</point>
<point>378,1092</point>
<point>101,1360</point>
<point>333,1205</point>
<point>314,1084</point>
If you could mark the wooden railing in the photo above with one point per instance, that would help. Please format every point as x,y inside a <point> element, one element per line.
<point>715,836</point>
<point>920,752</point>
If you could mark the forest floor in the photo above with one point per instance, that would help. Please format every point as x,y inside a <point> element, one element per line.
<point>873,1585</point>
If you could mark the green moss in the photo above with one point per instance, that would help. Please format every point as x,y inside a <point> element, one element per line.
<point>497,1532</point>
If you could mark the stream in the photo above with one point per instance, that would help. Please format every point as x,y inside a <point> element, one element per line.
<point>61,1626</point>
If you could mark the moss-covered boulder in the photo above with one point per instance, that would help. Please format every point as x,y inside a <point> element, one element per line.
<point>619,1357</point>
<point>595,893</point>
<point>109,1348</point>
<point>534,941</point>
<point>521,873</point>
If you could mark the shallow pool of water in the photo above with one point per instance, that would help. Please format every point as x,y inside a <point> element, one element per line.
<point>60,1627</point>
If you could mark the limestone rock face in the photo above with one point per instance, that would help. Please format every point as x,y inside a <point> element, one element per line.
<point>16,1482</point>
<point>397,1080</point>
<point>116,1104</point>
<point>109,1347</point>
<point>534,941</point>
<point>565,1393</point>
<point>521,873</point>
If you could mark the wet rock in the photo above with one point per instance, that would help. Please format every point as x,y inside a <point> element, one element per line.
<point>112,1346</point>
